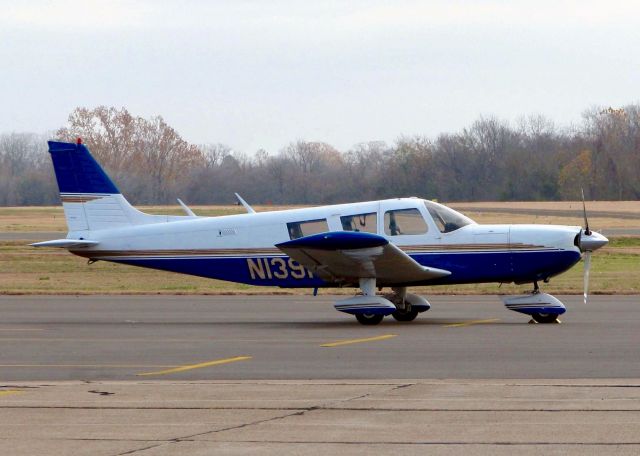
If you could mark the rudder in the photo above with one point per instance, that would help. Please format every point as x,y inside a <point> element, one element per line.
<point>77,172</point>
<point>91,201</point>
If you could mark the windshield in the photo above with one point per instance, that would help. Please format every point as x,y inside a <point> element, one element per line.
<point>446,219</point>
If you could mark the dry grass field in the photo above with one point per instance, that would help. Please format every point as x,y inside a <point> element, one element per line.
<point>632,207</point>
<point>602,214</point>
<point>26,270</point>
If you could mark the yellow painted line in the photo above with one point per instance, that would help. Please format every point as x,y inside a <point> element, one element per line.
<point>469,323</point>
<point>198,366</point>
<point>7,392</point>
<point>357,341</point>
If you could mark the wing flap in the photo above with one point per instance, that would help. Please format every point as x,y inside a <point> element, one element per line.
<point>347,255</point>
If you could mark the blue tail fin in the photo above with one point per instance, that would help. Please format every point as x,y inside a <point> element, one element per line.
<point>77,171</point>
<point>91,201</point>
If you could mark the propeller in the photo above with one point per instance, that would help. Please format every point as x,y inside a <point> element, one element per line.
<point>587,267</point>
<point>589,241</point>
<point>587,231</point>
<point>587,256</point>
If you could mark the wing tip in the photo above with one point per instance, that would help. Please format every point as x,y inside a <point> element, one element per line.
<point>65,243</point>
<point>437,272</point>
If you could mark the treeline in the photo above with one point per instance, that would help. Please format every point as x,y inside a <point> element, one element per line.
<point>489,160</point>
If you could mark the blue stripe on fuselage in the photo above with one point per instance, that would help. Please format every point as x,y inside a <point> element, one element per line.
<point>507,266</point>
<point>280,271</point>
<point>465,267</point>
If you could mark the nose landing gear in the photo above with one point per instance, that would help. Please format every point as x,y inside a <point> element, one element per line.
<point>408,305</point>
<point>369,319</point>
<point>542,307</point>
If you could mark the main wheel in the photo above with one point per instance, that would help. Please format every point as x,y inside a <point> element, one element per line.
<point>405,315</point>
<point>544,318</point>
<point>369,319</point>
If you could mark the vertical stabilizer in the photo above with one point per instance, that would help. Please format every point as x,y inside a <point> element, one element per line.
<point>91,201</point>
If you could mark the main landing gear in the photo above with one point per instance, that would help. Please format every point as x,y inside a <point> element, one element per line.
<point>542,307</point>
<point>370,309</point>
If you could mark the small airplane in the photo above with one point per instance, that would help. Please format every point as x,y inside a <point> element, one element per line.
<point>393,243</point>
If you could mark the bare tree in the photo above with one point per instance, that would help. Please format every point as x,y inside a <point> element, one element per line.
<point>147,156</point>
<point>489,160</point>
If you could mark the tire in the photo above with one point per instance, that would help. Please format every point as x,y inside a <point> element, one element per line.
<point>544,318</point>
<point>404,315</point>
<point>369,319</point>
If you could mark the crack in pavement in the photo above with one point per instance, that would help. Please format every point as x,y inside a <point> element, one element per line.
<point>362,396</point>
<point>299,412</point>
<point>215,431</point>
<point>142,449</point>
<point>20,386</point>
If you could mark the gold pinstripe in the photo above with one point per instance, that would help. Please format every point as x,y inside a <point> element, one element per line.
<point>275,251</point>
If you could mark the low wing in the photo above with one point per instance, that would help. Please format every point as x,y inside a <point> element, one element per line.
<point>341,256</point>
<point>66,243</point>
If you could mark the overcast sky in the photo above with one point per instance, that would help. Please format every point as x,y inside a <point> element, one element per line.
<point>255,74</point>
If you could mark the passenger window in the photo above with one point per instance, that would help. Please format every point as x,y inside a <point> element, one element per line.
<point>307,228</point>
<point>367,223</point>
<point>404,221</point>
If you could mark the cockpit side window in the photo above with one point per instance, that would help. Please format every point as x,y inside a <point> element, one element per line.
<point>446,219</point>
<point>367,223</point>
<point>404,221</point>
<point>307,228</point>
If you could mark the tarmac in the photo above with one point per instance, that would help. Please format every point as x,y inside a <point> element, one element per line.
<point>200,375</point>
<point>47,338</point>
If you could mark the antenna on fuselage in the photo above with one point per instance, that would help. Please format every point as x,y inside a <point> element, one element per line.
<point>246,205</point>
<point>189,212</point>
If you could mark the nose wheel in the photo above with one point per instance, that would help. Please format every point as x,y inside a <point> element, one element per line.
<point>545,318</point>
<point>406,314</point>
<point>369,319</point>
<point>542,307</point>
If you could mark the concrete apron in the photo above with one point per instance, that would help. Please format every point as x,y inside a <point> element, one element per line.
<point>321,417</point>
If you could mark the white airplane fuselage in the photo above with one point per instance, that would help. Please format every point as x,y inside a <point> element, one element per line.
<point>241,248</point>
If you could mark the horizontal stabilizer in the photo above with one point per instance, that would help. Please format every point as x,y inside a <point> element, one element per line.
<point>66,243</point>
<point>340,256</point>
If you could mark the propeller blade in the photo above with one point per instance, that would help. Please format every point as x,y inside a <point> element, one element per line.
<point>587,267</point>
<point>587,231</point>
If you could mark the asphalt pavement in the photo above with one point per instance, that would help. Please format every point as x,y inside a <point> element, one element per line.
<point>201,375</point>
<point>302,337</point>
